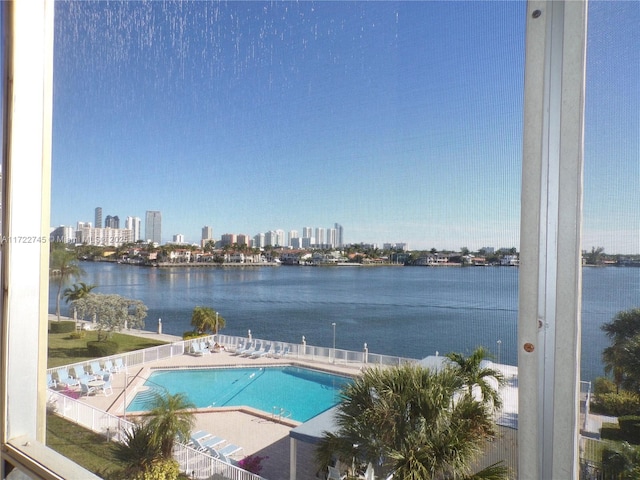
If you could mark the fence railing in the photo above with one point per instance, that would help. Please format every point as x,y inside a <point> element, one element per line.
<point>195,463</point>
<point>293,350</point>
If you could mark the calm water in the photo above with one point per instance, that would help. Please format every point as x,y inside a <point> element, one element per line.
<point>406,311</point>
<point>298,393</point>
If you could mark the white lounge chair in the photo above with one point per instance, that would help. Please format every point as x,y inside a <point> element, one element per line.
<point>51,382</point>
<point>207,442</point>
<point>97,370</point>
<point>226,451</point>
<point>107,389</point>
<point>258,353</point>
<point>65,378</point>
<point>250,347</point>
<point>204,348</point>
<point>85,389</point>
<point>118,366</point>
<point>235,349</point>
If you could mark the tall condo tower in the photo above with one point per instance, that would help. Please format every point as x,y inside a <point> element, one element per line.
<point>339,232</point>
<point>133,224</point>
<point>207,235</point>
<point>153,227</point>
<point>98,219</point>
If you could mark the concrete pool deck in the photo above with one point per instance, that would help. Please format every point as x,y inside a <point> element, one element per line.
<point>258,433</point>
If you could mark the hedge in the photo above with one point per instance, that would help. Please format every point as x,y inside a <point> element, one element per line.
<point>102,349</point>
<point>62,327</point>
<point>616,404</point>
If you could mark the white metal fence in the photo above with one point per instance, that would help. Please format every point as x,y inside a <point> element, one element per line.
<point>193,462</point>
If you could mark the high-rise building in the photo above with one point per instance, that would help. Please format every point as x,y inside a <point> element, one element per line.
<point>228,239</point>
<point>339,235</point>
<point>280,238</point>
<point>292,234</point>
<point>321,235</point>
<point>111,222</point>
<point>153,227</point>
<point>244,239</point>
<point>270,238</point>
<point>259,240</point>
<point>133,224</point>
<point>178,238</point>
<point>307,232</point>
<point>62,234</point>
<point>332,237</point>
<point>207,235</point>
<point>98,219</point>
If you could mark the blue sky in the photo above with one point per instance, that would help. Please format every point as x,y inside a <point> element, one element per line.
<point>399,120</point>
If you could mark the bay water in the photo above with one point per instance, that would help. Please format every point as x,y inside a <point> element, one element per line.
<point>406,311</point>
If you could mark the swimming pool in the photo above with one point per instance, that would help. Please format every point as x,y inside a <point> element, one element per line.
<point>296,393</point>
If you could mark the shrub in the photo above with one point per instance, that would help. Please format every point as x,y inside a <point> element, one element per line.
<point>102,349</point>
<point>78,335</point>
<point>191,334</point>
<point>62,327</point>
<point>252,463</point>
<point>616,404</point>
<point>630,428</point>
<point>602,385</point>
<point>610,431</point>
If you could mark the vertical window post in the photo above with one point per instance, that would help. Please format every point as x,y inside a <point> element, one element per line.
<point>550,269</point>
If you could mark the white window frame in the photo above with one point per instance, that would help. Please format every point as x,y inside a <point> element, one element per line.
<point>550,281</point>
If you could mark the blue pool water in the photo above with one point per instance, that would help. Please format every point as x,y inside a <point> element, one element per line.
<point>298,393</point>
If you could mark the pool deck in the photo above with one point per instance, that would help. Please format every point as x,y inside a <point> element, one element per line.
<point>258,433</point>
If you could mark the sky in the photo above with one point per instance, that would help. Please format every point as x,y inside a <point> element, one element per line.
<point>401,121</point>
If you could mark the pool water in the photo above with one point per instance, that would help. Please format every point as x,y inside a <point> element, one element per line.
<point>293,392</point>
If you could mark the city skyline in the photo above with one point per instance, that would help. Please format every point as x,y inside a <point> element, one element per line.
<point>401,119</point>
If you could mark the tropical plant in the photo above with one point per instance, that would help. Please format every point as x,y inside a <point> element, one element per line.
<point>621,357</point>
<point>143,457</point>
<point>171,416</point>
<point>621,462</point>
<point>76,292</point>
<point>138,450</point>
<point>206,319</point>
<point>63,266</point>
<point>111,313</point>
<point>411,422</point>
<point>473,373</point>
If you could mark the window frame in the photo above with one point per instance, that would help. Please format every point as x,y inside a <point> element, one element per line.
<point>550,273</point>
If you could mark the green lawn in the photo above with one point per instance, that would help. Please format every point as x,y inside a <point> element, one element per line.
<point>64,350</point>
<point>84,447</point>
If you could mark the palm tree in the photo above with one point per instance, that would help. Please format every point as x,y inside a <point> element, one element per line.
<point>138,449</point>
<point>170,417</point>
<point>63,266</point>
<point>624,333</point>
<point>205,318</point>
<point>76,292</point>
<point>409,421</point>
<point>473,373</point>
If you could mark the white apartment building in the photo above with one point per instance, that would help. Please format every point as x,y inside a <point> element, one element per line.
<point>102,237</point>
<point>259,240</point>
<point>133,224</point>
<point>293,234</point>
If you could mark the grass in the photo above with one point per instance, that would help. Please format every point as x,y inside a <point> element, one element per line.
<point>64,350</point>
<point>84,447</point>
